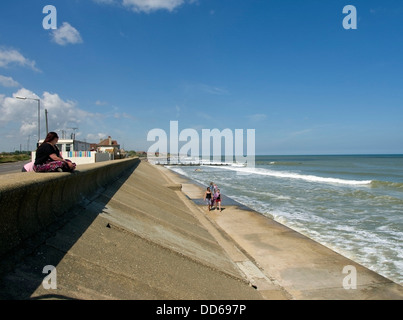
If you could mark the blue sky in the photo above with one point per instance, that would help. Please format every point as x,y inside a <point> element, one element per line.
<point>287,69</point>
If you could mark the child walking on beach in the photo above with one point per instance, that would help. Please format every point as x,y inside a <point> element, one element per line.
<point>217,199</point>
<point>208,196</point>
<point>213,189</point>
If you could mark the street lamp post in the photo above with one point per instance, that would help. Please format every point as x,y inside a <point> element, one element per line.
<point>46,119</point>
<point>39,113</point>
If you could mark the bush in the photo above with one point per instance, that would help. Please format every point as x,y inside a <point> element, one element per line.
<point>14,157</point>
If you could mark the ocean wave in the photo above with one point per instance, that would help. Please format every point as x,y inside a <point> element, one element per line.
<point>291,175</point>
<point>284,163</point>
<point>364,195</point>
<point>279,163</point>
<point>177,170</point>
<point>387,184</point>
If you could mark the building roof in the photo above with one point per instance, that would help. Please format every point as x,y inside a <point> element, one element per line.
<point>108,142</point>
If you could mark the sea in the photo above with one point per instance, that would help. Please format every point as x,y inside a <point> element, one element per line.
<point>353,204</point>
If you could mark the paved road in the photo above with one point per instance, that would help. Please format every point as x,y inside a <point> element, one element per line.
<point>12,167</point>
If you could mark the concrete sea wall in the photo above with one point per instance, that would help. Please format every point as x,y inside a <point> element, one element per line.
<point>31,201</point>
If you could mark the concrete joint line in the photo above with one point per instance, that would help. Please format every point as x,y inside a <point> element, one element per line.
<point>143,193</point>
<point>171,250</point>
<point>155,219</point>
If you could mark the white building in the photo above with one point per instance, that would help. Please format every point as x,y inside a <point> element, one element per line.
<point>70,145</point>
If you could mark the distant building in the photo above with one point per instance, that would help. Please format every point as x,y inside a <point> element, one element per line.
<point>110,146</point>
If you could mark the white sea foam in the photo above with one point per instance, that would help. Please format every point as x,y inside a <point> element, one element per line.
<point>177,170</point>
<point>292,175</point>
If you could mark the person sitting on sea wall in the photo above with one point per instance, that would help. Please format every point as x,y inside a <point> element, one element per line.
<point>48,158</point>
